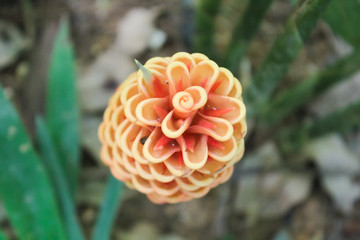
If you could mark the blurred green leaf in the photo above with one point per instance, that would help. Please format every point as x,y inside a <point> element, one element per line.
<point>293,2</point>
<point>343,16</point>
<point>2,236</point>
<point>228,236</point>
<point>51,163</point>
<point>206,12</point>
<point>289,100</point>
<point>108,209</point>
<point>342,120</point>
<point>25,190</point>
<point>282,235</point>
<point>62,114</point>
<point>245,29</point>
<point>284,50</point>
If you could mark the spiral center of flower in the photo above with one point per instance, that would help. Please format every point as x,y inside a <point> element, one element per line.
<point>187,101</point>
<point>183,101</point>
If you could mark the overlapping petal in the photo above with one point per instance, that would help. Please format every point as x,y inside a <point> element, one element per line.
<point>176,166</point>
<point>225,151</point>
<point>231,109</point>
<point>218,128</point>
<point>178,77</point>
<point>151,111</point>
<point>196,158</point>
<point>224,83</point>
<point>204,74</point>
<point>174,129</point>
<point>156,154</point>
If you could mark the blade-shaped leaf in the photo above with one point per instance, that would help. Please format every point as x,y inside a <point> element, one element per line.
<point>2,236</point>
<point>108,209</point>
<point>244,31</point>
<point>341,120</point>
<point>344,18</point>
<point>285,49</point>
<point>53,167</point>
<point>62,114</point>
<point>206,12</point>
<point>288,101</point>
<point>25,190</point>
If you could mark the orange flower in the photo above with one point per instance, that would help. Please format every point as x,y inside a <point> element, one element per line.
<point>174,129</point>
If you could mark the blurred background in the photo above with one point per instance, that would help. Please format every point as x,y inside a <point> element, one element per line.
<point>299,65</point>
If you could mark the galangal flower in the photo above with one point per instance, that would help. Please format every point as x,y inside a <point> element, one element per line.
<point>174,129</point>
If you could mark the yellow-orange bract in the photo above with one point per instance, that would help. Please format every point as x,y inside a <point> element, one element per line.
<point>176,134</point>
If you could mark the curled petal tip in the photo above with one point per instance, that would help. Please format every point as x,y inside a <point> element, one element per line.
<point>174,129</point>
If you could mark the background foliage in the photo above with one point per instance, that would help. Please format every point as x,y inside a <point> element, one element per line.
<point>298,160</point>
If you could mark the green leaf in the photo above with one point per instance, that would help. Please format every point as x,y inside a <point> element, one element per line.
<point>293,2</point>
<point>62,114</point>
<point>228,236</point>
<point>245,29</point>
<point>108,210</point>
<point>288,101</point>
<point>2,236</point>
<point>25,190</point>
<point>344,18</point>
<point>282,235</point>
<point>284,50</point>
<point>53,167</point>
<point>206,12</point>
<point>343,120</point>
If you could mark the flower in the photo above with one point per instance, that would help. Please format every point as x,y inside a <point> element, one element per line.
<point>174,129</point>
